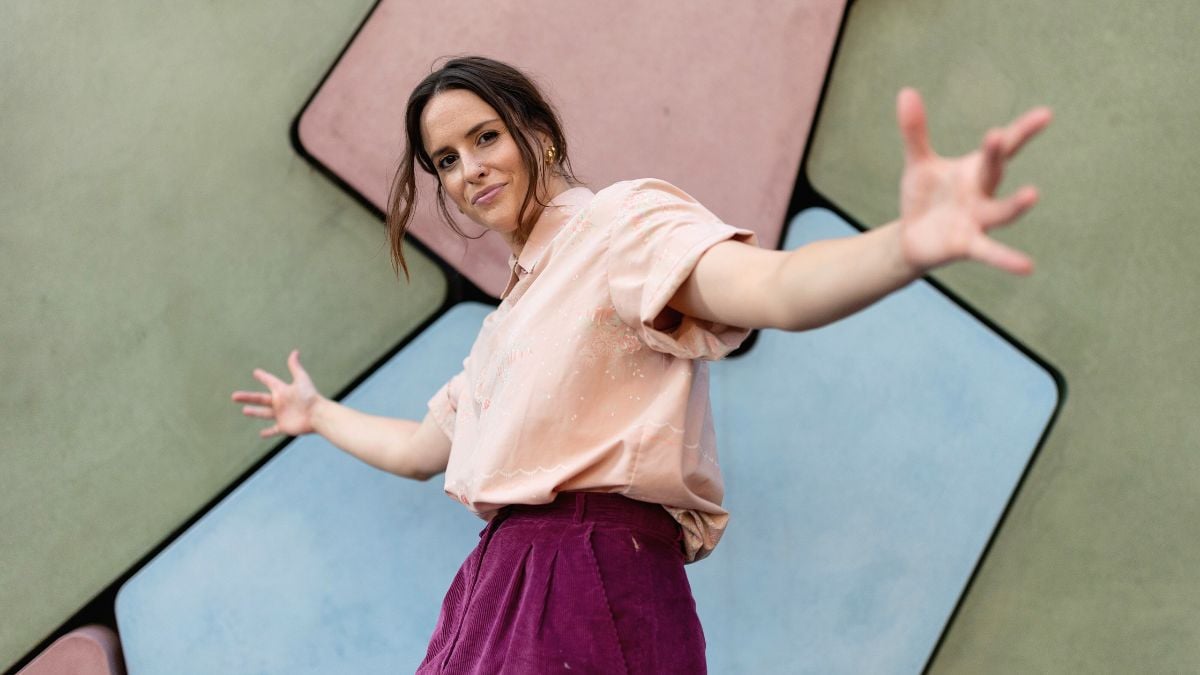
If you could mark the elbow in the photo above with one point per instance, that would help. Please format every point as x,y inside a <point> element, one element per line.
<point>794,318</point>
<point>423,476</point>
<point>786,324</point>
<point>788,314</point>
<point>793,324</point>
<point>415,472</point>
<point>799,321</point>
<point>425,471</point>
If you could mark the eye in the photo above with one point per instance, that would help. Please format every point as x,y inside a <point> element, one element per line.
<point>443,164</point>
<point>487,136</point>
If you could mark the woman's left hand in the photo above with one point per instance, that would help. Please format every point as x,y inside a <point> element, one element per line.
<point>947,205</point>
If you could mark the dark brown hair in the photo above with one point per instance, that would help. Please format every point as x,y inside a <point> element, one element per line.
<point>522,108</point>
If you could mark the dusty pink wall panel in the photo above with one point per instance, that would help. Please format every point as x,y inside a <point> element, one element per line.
<point>714,97</point>
<point>91,650</point>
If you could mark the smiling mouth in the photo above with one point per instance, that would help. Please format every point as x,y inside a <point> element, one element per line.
<point>486,197</point>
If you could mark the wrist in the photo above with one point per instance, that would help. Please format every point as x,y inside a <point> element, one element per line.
<point>902,260</point>
<point>319,414</point>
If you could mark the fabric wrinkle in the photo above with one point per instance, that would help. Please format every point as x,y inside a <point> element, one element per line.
<point>507,619</point>
<point>614,635</point>
<point>568,372</point>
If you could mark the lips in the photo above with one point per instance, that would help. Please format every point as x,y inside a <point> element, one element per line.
<point>485,196</point>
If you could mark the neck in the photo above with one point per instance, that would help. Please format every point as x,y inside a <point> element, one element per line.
<point>554,187</point>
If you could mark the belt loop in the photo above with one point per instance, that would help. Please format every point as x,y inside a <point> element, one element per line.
<point>580,506</point>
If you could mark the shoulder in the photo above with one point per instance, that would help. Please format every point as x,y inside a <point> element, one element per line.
<point>630,199</point>
<point>626,188</point>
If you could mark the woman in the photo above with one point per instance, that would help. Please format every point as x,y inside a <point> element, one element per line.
<point>580,426</point>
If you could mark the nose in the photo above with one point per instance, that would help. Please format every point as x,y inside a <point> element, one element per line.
<point>474,167</point>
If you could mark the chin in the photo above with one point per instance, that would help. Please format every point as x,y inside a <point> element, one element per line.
<point>503,228</point>
<point>502,224</point>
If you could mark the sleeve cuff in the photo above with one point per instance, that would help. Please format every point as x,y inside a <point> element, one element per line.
<point>691,338</point>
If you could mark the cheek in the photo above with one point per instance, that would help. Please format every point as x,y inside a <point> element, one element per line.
<point>452,185</point>
<point>519,173</point>
<point>510,158</point>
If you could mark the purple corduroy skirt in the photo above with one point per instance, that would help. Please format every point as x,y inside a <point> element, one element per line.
<point>591,583</point>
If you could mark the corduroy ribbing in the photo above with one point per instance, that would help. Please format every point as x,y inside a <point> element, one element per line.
<point>589,583</point>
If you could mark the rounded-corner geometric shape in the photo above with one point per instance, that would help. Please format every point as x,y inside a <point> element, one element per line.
<point>867,464</point>
<point>90,650</point>
<point>318,563</point>
<point>717,98</point>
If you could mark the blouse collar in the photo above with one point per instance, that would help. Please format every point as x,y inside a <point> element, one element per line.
<point>560,209</point>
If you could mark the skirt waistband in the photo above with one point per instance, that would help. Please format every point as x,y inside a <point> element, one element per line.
<point>598,507</point>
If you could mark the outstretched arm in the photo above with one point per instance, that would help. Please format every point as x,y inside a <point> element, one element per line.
<point>418,450</point>
<point>947,206</point>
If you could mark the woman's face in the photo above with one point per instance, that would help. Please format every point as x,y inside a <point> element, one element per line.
<point>477,159</point>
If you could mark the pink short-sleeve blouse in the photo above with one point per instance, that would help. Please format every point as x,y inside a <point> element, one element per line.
<point>583,379</point>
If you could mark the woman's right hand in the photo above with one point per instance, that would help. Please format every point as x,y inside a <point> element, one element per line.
<point>290,405</point>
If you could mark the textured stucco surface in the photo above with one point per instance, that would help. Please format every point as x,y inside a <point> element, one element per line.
<point>159,238</point>
<point>1095,568</point>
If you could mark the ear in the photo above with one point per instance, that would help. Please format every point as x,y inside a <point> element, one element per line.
<point>542,142</point>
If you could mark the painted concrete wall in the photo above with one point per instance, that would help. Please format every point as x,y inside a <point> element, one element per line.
<point>1095,568</point>
<point>159,238</point>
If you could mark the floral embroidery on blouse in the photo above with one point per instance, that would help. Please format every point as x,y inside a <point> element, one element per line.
<point>578,225</point>
<point>575,383</point>
<point>497,376</point>
<point>607,339</point>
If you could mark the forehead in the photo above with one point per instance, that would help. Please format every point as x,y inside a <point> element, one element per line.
<point>449,115</point>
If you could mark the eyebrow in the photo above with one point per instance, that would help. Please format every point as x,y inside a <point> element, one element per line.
<point>470,133</point>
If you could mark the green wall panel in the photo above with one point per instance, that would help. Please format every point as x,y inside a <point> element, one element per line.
<point>1095,568</point>
<point>159,238</point>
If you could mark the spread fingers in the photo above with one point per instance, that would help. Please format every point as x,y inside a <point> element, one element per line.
<point>256,397</point>
<point>992,167</point>
<point>1003,211</point>
<point>1024,128</point>
<point>998,255</point>
<point>258,411</point>
<point>268,379</point>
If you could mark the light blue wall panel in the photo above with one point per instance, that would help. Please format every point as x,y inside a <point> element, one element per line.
<point>867,464</point>
<point>318,563</point>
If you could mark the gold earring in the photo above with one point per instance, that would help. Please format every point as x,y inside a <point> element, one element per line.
<point>550,152</point>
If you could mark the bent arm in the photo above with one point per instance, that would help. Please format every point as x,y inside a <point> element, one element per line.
<point>417,450</point>
<point>738,284</point>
